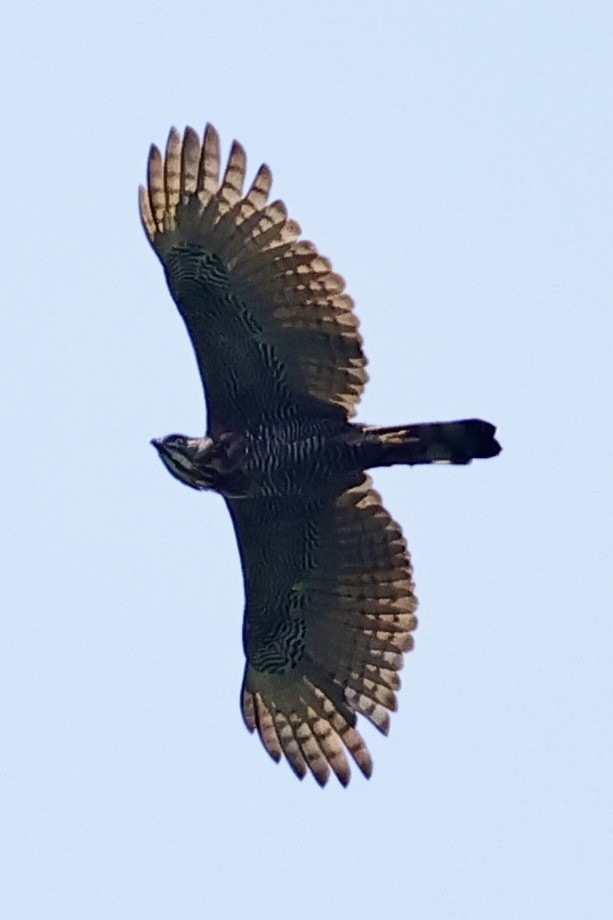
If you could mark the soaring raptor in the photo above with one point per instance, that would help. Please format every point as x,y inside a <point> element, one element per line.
<point>330,607</point>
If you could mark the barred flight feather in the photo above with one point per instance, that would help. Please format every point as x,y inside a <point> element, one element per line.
<point>287,286</point>
<point>358,620</point>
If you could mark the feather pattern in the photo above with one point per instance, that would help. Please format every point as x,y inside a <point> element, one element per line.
<point>235,263</point>
<point>340,566</point>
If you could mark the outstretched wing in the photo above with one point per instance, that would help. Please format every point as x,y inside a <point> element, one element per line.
<point>329,612</point>
<point>268,319</point>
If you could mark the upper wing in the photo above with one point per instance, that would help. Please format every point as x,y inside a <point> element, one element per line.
<point>268,319</point>
<point>330,610</point>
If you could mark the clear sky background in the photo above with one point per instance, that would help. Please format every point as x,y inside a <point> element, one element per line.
<point>454,160</point>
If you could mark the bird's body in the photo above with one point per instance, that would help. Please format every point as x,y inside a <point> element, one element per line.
<point>330,606</point>
<point>281,458</point>
<point>303,455</point>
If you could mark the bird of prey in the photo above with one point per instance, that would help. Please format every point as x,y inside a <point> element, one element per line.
<point>330,605</point>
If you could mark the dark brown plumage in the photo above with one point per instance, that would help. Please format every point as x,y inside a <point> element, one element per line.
<point>330,607</point>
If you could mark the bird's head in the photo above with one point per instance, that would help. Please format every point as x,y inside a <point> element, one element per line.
<point>187,459</point>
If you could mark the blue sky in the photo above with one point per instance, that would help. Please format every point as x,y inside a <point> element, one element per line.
<point>454,161</point>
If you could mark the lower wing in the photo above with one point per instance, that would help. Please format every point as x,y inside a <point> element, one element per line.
<point>329,613</point>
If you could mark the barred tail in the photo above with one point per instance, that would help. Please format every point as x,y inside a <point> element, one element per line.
<point>436,442</point>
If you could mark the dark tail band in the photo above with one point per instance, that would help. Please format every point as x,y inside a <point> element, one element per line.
<point>437,442</point>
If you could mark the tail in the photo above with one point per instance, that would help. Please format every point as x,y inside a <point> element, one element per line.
<point>436,442</point>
